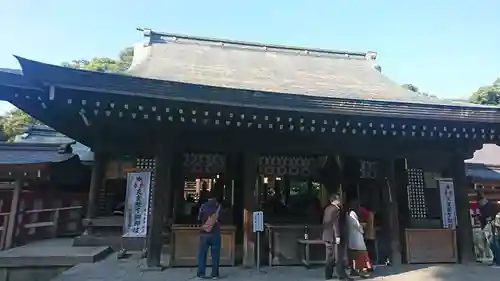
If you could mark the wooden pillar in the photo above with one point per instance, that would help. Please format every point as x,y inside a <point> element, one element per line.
<point>177,181</point>
<point>14,208</point>
<point>96,181</point>
<point>250,162</point>
<point>390,198</point>
<point>160,205</point>
<point>464,228</point>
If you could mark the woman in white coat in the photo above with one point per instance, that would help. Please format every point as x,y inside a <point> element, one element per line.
<point>358,254</point>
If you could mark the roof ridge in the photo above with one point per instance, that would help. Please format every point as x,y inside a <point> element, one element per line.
<point>370,55</point>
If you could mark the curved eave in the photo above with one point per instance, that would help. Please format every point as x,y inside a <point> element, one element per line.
<point>51,75</point>
<point>14,80</point>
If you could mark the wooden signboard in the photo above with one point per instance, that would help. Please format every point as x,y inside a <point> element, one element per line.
<point>431,246</point>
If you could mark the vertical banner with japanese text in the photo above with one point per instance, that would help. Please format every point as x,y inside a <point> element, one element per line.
<point>448,208</point>
<point>136,207</point>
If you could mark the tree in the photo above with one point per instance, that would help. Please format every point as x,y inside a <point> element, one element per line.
<point>410,87</point>
<point>14,122</point>
<point>488,95</point>
<point>105,64</point>
<point>413,88</point>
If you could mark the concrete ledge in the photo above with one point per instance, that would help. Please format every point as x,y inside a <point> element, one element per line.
<point>63,256</point>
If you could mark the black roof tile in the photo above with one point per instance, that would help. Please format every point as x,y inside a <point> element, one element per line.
<point>24,153</point>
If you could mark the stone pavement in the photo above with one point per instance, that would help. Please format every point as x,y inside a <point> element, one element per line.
<point>130,269</point>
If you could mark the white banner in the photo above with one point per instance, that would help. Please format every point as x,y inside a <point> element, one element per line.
<point>137,203</point>
<point>448,208</point>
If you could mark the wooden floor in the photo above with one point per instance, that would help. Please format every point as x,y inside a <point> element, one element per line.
<point>52,252</point>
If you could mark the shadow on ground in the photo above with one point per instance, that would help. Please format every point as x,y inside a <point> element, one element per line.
<point>132,269</point>
<point>451,272</point>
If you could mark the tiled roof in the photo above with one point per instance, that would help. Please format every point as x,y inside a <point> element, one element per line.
<point>270,68</point>
<point>484,173</point>
<point>42,134</point>
<point>485,164</point>
<point>27,153</point>
<point>250,75</point>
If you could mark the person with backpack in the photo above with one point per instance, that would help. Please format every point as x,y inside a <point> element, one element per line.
<point>209,236</point>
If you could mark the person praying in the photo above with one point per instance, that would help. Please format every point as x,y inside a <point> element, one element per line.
<point>357,251</point>
<point>209,236</point>
<point>331,236</point>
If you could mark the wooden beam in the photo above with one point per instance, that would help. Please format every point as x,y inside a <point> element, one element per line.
<point>96,180</point>
<point>464,226</point>
<point>14,208</point>
<point>161,204</point>
<point>250,162</point>
<point>390,198</point>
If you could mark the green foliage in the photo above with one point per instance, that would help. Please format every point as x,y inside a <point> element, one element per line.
<point>105,64</point>
<point>14,122</point>
<point>489,95</point>
<point>413,88</point>
<point>410,87</point>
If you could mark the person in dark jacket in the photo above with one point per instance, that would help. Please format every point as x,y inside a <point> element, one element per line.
<point>209,236</point>
<point>332,235</point>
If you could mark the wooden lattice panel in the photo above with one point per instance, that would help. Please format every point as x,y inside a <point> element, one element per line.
<point>101,199</point>
<point>148,165</point>
<point>416,196</point>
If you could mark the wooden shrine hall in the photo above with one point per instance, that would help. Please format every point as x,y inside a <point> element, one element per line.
<point>272,128</point>
<point>39,196</point>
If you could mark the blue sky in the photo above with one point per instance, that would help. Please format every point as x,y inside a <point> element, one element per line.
<point>448,48</point>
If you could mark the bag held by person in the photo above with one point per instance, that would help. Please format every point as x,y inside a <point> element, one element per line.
<point>211,221</point>
<point>496,220</point>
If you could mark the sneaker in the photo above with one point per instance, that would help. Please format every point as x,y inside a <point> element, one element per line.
<point>215,277</point>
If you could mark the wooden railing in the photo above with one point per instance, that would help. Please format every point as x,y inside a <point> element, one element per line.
<point>48,223</point>
<point>4,218</point>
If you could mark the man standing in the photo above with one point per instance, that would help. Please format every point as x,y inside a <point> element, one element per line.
<point>209,236</point>
<point>332,238</point>
<point>488,212</point>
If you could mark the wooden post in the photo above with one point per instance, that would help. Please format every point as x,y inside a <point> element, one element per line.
<point>14,208</point>
<point>4,231</point>
<point>177,186</point>
<point>95,184</point>
<point>465,242</point>
<point>161,204</point>
<point>250,162</point>
<point>390,198</point>
<point>55,221</point>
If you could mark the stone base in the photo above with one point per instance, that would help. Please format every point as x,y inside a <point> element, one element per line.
<point>30,273</point>
<point>116,242</point>
<point>51,255</point>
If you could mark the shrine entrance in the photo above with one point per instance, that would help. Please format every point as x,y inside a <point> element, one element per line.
<point>198,175</point>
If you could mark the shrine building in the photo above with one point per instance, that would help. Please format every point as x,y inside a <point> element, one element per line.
<point>267,127</point>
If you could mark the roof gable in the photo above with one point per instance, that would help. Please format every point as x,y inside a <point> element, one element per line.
<point>269,68</point>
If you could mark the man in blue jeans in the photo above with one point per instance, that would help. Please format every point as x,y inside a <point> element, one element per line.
<point>209,237</point>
